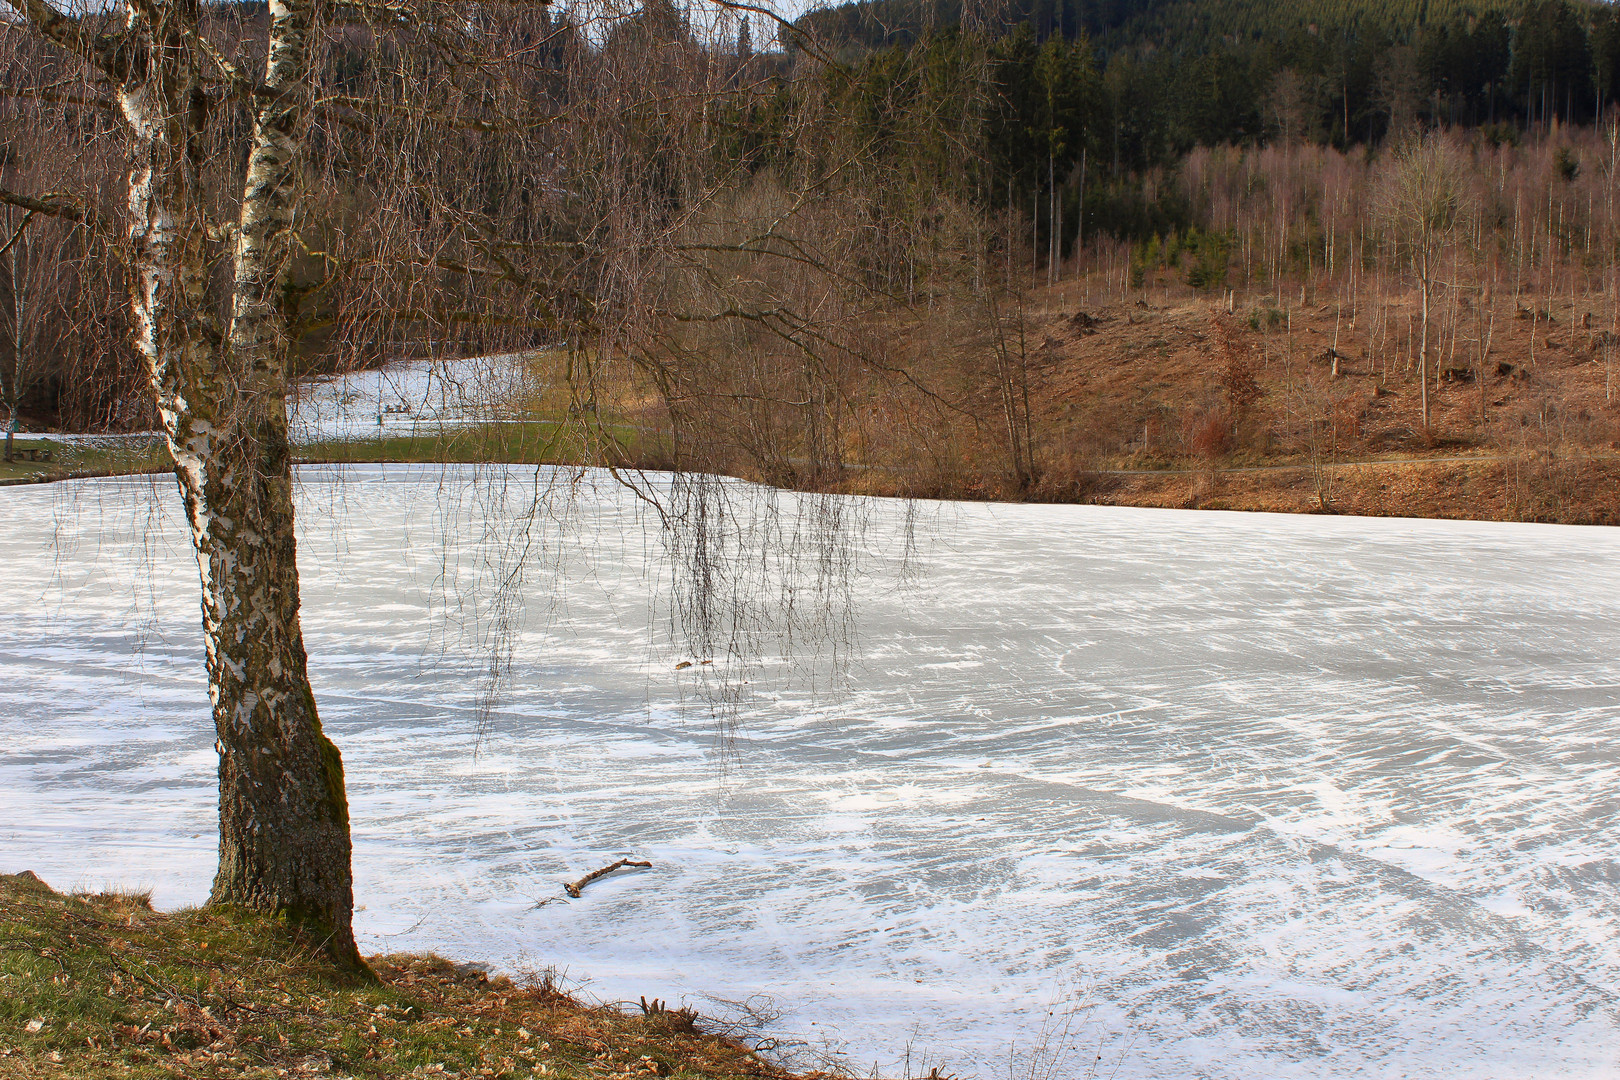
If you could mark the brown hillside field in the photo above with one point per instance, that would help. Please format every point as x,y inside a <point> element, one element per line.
<point>1179,402</point>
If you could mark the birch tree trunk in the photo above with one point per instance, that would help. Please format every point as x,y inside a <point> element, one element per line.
<point>13,315</point>
<point>284,845</point>
<point>284,820</point>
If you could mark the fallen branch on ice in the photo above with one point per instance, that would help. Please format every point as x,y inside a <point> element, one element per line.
<point>576,887</point>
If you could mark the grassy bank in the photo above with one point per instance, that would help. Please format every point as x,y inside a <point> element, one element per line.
<point>535,442</point>
<point>103,986</point>
<point>40,461</point>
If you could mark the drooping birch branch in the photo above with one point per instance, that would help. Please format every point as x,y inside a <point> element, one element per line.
<point>422,115</point>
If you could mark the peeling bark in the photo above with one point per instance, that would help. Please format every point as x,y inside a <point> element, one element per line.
<point>284,817</point>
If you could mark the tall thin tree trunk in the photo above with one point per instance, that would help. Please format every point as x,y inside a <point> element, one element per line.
<point>1009,231</point>
<point>1080,220</point>
<point>11,340</point>
<point>1423,349</point>
<point>1054,242</point>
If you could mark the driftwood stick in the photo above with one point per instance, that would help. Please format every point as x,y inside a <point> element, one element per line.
<point>574,888</point>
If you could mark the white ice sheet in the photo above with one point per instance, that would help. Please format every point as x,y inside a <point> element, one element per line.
<point>1259,796</point>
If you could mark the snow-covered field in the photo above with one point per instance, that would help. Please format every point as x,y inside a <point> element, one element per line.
<point>1212,795</point>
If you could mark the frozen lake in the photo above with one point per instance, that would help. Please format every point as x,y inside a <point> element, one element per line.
<point>1212,795</point>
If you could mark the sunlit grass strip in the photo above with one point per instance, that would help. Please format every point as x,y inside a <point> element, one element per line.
<point>67,460</point>
<point>515,442</point>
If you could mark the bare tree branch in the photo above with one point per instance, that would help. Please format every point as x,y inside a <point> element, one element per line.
<point>26,221</point>
<point>52,203</point>
<point>240,84</point>
<point>107,53</point>
<point>57,98</point>
<point>789,28</point>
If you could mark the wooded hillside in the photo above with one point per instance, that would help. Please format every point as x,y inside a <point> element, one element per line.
<point>839,258</point>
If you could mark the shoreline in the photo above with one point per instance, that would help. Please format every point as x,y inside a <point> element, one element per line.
<point>1459,487</point>
<point>102,985</point>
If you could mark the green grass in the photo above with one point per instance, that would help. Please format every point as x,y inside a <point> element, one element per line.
<point>103,986</point>
<point>533,442</point>
<point>67,461</point>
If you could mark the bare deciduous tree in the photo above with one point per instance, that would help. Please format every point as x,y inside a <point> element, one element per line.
<point>24,265</point>
<point>1425,202</point>
<point>218,375</point>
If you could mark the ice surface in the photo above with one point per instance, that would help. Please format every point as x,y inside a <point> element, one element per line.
<point>1247,795</point>
<point>412,397</point>
<point>408,398</point>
